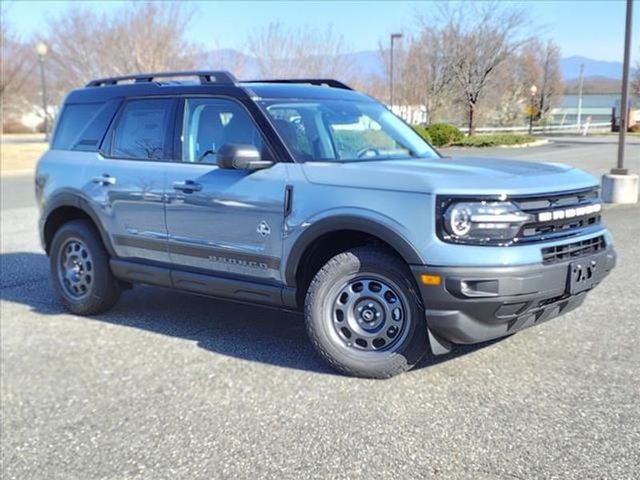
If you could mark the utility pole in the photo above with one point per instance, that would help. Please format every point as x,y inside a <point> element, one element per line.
<point>393,37</point>
<point>620,186</point>
<point>580,85</point>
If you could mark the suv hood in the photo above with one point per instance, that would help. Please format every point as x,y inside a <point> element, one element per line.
<point>460,176</point>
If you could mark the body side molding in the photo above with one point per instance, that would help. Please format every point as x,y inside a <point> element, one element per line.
<point>204,284</point>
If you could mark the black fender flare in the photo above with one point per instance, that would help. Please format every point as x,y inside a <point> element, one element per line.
<point>72,199</point>
<point>348,222</point>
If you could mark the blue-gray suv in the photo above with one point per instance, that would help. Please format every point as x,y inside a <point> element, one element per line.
<point>307,195</point>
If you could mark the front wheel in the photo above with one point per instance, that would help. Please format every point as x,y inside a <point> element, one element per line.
<point>363,314</point>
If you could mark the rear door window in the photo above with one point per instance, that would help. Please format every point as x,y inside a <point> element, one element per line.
<point>144,130</point>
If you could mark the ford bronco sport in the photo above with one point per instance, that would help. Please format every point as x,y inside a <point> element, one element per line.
<point>307,195</point>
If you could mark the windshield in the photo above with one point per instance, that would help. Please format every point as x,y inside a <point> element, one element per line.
<point>344,131</point>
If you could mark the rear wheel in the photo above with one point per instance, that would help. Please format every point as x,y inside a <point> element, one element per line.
<point>80,269</point>
<point>363,314</point>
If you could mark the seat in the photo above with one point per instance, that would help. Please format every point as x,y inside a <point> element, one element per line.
<point>241,130</point>
<point>288,132</point>
<point>209,131</point>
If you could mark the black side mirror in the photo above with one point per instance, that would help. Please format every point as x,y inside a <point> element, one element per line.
<point>240,157</point>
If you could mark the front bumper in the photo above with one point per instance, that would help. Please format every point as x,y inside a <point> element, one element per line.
<point>473,305</point>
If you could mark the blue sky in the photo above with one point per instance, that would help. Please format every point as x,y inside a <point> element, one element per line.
<point>592,29</point>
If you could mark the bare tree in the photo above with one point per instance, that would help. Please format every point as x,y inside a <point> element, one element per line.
<point>635,82</point>
<point>479,38</point>
<point>427,75</point>
<point>506,98</point>
<point>138,37</point>
<point>231,60</point>
<point>541,67</point>
<point>17,63</point>
<point>302,52</point>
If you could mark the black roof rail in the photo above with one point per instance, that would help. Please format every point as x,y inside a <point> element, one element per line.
<point>222,77</point>
<point>328,82</point>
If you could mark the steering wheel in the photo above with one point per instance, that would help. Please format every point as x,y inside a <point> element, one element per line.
<point>363,151</point>
<point>205,155</point>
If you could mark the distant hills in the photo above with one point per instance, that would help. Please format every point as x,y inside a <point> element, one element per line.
<point>594,84</point>
<point>600,76</point>
<point>365,63</point>
<point>570,67</point>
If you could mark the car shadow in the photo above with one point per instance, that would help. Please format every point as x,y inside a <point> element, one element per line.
<point>248,332</point>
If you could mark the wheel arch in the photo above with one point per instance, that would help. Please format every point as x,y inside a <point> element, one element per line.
<point>65,207</point>
<point>353,231</point>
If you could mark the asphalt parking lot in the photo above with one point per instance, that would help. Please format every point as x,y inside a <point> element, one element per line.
<point>175,386</point>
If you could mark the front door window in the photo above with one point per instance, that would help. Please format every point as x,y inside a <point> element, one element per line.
<point>210,123</point>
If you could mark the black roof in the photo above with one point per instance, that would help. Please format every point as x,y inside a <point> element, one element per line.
<point>210,82</point>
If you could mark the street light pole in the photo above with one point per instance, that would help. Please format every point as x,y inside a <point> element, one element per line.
<point>624,107</point>
<point>393,37</point>
<point>620,186</point>
<point>41,50</point>
<point>532,105</point>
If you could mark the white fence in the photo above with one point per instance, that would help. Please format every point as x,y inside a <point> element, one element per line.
<point>543,129</point>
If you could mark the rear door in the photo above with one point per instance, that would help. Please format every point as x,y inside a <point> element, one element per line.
<point>126,182</point>
<point>223,221</point>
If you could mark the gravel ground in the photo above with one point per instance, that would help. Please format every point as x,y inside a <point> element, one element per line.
<point>175,386</point>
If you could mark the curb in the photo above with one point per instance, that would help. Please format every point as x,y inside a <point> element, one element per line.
<point>537,143</point>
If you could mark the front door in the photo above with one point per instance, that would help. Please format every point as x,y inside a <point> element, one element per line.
<point>127,181</point>
<point>221,221</point>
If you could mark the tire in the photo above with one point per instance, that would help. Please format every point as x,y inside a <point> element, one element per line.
<point>368,292</point>
<point>80,269</point>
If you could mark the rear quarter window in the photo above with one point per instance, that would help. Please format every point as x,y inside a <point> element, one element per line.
<point>82,126</point>
<point>73,120</point>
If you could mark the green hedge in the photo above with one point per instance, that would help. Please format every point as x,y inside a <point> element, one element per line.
<point>494,140</point>
<point>423,133</point>
<point>445,135</point>
<point>440,134</point>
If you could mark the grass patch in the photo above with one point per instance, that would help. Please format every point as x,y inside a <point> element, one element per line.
<point>20,156</point>
<point>494,140</point>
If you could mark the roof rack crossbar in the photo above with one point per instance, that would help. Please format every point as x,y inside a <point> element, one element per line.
<point>328,82</point>
<point>205,76</point>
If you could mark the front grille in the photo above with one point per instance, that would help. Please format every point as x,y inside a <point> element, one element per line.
<point>561,253</point>
<point>537,230</point>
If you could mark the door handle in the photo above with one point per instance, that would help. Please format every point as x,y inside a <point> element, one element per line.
<point>104,179</point>
<point>188,186</point>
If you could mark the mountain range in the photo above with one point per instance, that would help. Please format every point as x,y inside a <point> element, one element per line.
<point>369,63</point>
<point>570,67</point>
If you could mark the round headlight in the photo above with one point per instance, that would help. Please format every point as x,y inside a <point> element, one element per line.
<point>458,220</point>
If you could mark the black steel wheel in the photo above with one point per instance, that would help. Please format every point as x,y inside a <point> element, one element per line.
<point>75,270</point>
<point>369,313</point>
<point>364,316</point>
<point>80,269</point>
